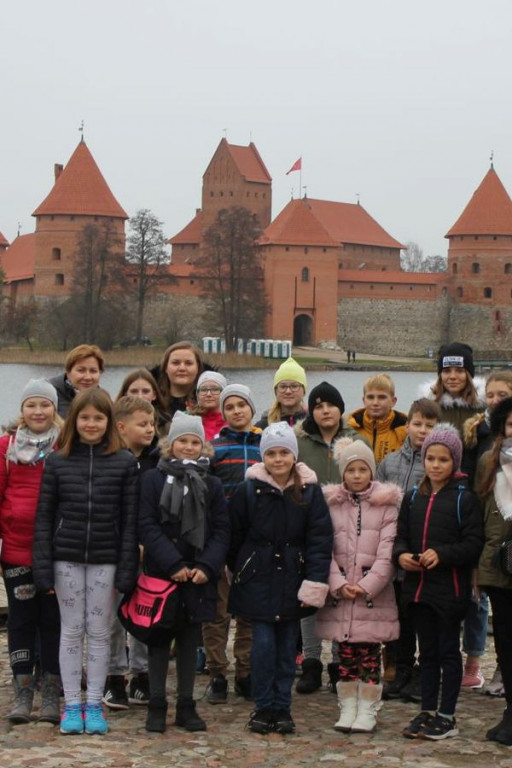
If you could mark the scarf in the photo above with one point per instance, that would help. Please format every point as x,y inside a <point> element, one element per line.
<point>503,484</point>
<point>183,498</point>
<point>28,447</point>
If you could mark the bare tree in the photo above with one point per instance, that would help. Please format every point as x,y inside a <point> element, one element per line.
<point>413,259</point>
<point>22,321</point>
<point>233,274</point>
<point>98,277</point>
<point>147,254</point>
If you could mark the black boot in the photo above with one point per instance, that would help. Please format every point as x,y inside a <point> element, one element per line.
<point>157,714</point>
<point>333,671</point>
<point>311,679</point>
<point>393,689</point>
<point>186,715</point>
<point>504,734</point>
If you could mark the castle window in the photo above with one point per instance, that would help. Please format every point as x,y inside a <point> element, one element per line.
<point>191,282</point>
<point>211,192</point>
<point>264,194</point>
<point>495,237</point>
<point>383,269</point>
<point>476,237</point>
<point>287,248</point>
<point>460,292</point>
<point>56,254</point>
<point>255,194</point>
<point>371,287</point>
<point>351,285</point>
<point>247,194</point>
<point>475,268</point>
<point>487,293</point>
<point>59,279</point>
<point>410,287</point>
<point>52,218</point>
<point>71,218</point>
<point>230,193</point>
<point>324,250</point>
<point>221,193</point>
<point>390,287</point>
<point>340,265</point>
<point>305,275</point>
<point>455,268</point>
<point>306,250</point>
<point>508,269</point>
<point>95,218</point>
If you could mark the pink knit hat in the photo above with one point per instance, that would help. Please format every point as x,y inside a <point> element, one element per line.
<point>447,435</point>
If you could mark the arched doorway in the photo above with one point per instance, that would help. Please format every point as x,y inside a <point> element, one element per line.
<point>302,330</point>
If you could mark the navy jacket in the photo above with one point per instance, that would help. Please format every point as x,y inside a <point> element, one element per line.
<point>165,553</point>
<point>276,544</point>
<point>87,513</point>
<point>451,523</point>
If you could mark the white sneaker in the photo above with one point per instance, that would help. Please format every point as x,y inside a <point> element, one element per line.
<point>495,686</point>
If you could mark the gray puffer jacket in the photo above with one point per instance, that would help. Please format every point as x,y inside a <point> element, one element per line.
<point>403,467</point>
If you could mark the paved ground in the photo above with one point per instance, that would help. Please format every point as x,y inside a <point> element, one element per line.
<point>227,743</point>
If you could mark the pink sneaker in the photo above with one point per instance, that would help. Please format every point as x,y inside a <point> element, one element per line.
<point>472,677</point>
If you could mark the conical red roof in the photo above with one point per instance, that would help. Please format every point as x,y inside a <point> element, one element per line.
<point>3,241</point>
<point>489,212</point>
<point>81,190</point>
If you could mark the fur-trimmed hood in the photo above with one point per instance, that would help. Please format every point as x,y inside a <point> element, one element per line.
<point>447,401</point>
<point>380,494</point>
<point>258,472</point>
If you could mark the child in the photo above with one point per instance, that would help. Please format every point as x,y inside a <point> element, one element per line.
<point>85,546</point>
<point>495,490</point>
<point>280,551</point>
<point>290,384</point>
<point>135,421</point>
<point>141,383</point>
<point>438,542</point>
<point>184,528</point>
<point>235,450</point>
<point>316,436</point>
<point>405,468</point>
<point>209,389</point>
<point>383,427</point>
<point>363,613</point>
<point>461,396</point>
<point>32,616</point>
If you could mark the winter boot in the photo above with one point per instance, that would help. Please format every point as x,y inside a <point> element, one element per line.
<point>393,689</point>
<point>157,714</point>
<point>347,701</point>
<point>50,694</point>
<point>23,699</point>
<point>186,715</point>
<point>504,735</point>
<point>311,679</point>
<point>369,701</point>
<point>333,671</point>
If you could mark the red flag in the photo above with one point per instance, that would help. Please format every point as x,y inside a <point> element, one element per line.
<point>297,166</point>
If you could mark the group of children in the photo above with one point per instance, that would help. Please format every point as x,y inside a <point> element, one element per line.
<point>299,526</point>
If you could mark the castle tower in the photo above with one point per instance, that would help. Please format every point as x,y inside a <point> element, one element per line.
<point>480,249</point>
<point>79,196</point>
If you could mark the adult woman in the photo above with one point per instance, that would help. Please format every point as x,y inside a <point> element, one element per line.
<point>290,385</point>
<point>83,367</point>
<point>177,376</point>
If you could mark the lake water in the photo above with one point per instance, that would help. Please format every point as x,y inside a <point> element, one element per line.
<point>350,383</point>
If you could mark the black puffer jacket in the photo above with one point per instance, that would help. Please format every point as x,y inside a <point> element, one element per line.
<point>65,393</point>
<point>87,513</point>
<point>451,523</point>
<point>165,552</point>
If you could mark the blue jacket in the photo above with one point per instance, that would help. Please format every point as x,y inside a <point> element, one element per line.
<point>278,546</point>
<point>235,452</point>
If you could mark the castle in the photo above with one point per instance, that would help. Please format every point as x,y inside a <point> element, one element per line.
<point>331,272</point>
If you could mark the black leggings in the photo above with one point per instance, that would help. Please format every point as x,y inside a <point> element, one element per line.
<point>186,657</point>
<point>501,602</point>
<point>33,616</point>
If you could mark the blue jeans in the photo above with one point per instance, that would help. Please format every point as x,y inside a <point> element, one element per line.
<point>274,647</point>
<point>475,626</point>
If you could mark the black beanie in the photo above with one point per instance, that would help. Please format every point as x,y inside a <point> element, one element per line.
<point>325,393</point>
<point>458,355</point>
<point>499,415</point>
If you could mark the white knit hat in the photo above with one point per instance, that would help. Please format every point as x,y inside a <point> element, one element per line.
<point>215,376</point>
<point>40,388</point>
<point>184,424</point>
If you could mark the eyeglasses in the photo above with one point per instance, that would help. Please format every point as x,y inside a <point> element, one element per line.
<point>285,387</point>
<point>210,390</point>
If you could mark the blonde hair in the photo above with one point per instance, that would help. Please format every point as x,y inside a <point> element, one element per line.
<point>504,376</point>
<point>380,381</point>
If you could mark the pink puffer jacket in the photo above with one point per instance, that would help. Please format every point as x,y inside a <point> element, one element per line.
<point>363,559</point>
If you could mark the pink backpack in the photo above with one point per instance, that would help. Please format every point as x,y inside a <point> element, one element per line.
<point>151,612</point>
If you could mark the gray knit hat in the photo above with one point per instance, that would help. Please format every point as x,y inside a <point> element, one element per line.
<point>279,435</point>
<point>237,390</point>
<point>40,388</point>
<point>346,451</point>
<point>183,424</point>
<point>215,376</point>
<point>447,435</point>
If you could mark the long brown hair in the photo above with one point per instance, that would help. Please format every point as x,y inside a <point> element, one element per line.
<point>468,394</point>
<point>163,379</point>
<point>100,399</point>
<point>141,373</point>
<point>491,464</point>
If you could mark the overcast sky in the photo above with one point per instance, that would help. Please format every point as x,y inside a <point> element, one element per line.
<point>400,101</point>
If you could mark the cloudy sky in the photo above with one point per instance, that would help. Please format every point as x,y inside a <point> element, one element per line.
<point>399,101</point>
